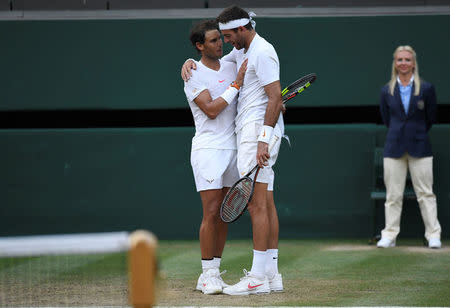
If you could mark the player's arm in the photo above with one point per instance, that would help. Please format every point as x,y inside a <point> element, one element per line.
<point>275,103</point>
<point>230,57</point>
<point>274,107</point>
<point>190,65</point>
<point>211,107</point>
<point>267,69</point>
<point>186,68</point>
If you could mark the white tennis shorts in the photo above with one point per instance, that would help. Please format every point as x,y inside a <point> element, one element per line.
<point>247,140</point>
<point>214,169</point>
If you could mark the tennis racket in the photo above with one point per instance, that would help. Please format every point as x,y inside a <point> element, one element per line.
<point>240,194</point>
<point>297,87</point>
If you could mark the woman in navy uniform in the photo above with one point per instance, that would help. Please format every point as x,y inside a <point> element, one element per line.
<point>408,109</point>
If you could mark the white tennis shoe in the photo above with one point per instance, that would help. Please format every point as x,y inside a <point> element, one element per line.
<point>200,282</point>
<point>210,282</point>
<point>385,243</point>
<point>276,283</point>
<point>434,243</point>
<point>249,285</point>
<point>224,285</point>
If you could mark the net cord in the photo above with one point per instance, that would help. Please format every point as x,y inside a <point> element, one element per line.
<point>62,244</point>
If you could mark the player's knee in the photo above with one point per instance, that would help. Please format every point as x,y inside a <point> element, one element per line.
<point>210,215</point>
<point>258,204</point>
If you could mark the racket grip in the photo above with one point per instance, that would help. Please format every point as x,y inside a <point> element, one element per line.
<point>272,142</point>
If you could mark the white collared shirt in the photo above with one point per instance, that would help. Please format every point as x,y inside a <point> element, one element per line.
<point>405,92</point>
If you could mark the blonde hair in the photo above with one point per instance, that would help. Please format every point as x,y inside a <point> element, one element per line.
<point>415,70</point>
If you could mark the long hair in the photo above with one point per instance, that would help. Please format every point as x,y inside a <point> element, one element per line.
<point>394,73</point>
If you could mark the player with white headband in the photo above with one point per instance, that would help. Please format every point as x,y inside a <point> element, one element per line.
<point>233,24</point>
<point>258,118</point>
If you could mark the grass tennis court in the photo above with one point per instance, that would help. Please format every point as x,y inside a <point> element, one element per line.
<point>72,280</point>
<point>318,273</point>
<point>315,272</point>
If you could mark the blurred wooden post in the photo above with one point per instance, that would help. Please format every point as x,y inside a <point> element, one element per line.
<point>142,269</point>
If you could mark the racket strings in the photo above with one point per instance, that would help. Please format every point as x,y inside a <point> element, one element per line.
<point>237,199</point>
<point>299,85</point>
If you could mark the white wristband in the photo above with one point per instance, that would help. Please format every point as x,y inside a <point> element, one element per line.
<point>229,94</point>
<point>266,134</point>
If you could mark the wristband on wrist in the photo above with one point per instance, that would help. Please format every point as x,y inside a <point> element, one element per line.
<point>235,85</point>
<point>229,94</point>
<point>266,134</point>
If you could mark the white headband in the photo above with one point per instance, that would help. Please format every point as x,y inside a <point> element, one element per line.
<point>232,24</point>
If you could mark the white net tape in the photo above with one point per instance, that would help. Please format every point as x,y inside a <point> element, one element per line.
<point>86,243</point>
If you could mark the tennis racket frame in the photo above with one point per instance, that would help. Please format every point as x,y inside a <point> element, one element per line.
<point>287,93</point>
<point>246,177</point>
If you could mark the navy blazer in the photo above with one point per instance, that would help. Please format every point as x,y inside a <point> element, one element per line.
<point>408,129</point>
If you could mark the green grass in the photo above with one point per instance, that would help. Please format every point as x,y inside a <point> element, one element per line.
<point>315,273</point>
<point>91,280</point>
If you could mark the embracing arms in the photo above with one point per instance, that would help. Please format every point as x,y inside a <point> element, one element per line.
<point>211,107</point>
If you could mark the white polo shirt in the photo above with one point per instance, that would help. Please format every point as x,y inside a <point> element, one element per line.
<point>263,68</point>
<point>215,133</point>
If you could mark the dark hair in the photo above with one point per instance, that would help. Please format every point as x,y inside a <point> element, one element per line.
<point>199,29</point>
<point>232,13</point>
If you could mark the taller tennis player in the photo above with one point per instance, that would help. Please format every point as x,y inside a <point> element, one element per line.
<point>212,96</point>
<point>258,118</point>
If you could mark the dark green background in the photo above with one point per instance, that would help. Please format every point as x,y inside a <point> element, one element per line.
<point>107,179</point>
<point>135,64</point>
<point>90,180</point>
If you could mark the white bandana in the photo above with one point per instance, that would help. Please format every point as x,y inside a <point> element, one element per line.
<point>233,24</point>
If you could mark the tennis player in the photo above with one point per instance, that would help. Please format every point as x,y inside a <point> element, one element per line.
<point>212,96</point>
<point>258,118</point>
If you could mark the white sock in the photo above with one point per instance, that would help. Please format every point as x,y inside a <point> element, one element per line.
<point>207,264</point>
<point>217,262</point>
<point>259,263</point>
<point>272,262</point>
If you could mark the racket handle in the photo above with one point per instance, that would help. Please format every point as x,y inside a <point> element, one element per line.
<point>272,142</point>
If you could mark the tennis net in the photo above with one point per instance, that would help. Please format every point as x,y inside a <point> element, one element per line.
<point>74,270</point>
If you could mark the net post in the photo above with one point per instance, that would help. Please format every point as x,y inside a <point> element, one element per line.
<point>142,269</point>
